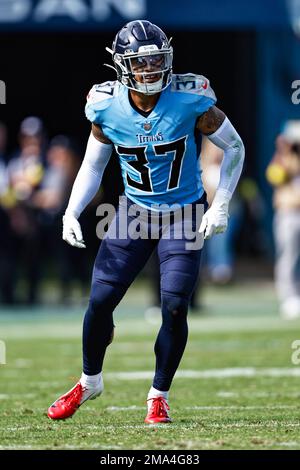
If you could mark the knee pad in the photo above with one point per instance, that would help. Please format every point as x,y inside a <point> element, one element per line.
<point>175,305</point>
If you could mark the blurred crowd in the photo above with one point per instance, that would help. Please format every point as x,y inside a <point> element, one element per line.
<point>35,184</point>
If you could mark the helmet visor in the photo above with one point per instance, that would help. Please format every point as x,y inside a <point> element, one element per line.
<point>149,63</point>
<point>142,63</point>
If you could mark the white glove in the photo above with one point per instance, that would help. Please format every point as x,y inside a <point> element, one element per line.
<point>72,231</point>
<point>215,219</point>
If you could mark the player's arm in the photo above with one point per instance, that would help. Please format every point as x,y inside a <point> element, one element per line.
<point>219,130</point>
<point>86,184</point>
<point>98,134</point>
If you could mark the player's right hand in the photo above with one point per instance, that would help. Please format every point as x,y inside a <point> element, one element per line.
<point>72,231</point>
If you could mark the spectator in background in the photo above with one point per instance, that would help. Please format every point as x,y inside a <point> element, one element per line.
<point>52,194</point>
<point>284,174</point>
<point>51,199</point>
<point>25,173</point>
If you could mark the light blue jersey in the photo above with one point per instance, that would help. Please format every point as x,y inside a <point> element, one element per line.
<point>158,154</point>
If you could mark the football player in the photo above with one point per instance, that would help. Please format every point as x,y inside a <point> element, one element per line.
<point>149,116</point>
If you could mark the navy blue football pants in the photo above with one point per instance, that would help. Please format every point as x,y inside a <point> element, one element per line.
<point>117,264</point>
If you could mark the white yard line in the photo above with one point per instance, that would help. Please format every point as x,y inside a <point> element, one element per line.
<point>125,408</point>
<point>22,363</point>
<point>241,407</point>
<point>253,425</point>
<point>247,394</point>
<point>209,407</point>
<point>9,396</point>
<point>185,374</point>
<point>212,373</point>
<point>288,444</point>
<point>20,447</point>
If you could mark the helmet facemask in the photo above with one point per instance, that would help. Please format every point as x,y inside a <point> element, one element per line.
<point>137,70</point>
<point>140,69</point>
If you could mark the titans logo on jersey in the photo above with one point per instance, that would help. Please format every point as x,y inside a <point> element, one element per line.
<point>158,153</point>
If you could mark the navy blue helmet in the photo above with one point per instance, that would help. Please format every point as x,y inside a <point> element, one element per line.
<point>143,57</point>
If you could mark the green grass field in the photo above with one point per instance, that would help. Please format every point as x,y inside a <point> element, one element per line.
<point>236,388</point>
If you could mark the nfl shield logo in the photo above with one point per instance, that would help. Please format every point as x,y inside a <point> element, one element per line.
<point>147,126</point>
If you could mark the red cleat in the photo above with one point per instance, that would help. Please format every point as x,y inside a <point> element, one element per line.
<point>68,404</point>
<point>158,411</point>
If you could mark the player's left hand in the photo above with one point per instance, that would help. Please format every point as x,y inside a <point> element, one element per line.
<point>215,219</point>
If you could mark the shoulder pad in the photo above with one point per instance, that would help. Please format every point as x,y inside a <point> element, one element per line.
<point>99,98</point>
<point>192,83</point>
<point>101,92</point>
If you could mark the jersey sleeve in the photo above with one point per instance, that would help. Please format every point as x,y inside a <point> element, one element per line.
<point>98,99</point>
<point>206,94</point>
<point>198,89</point>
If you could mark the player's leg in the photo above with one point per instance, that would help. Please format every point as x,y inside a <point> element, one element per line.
<point>179,272</point>
<point>117,264</point>
<point>179,268</point>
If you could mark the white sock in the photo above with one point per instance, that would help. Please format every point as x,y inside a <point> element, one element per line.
<point>91,381</point>
<point>154,393</point>
<point>93,386</point>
